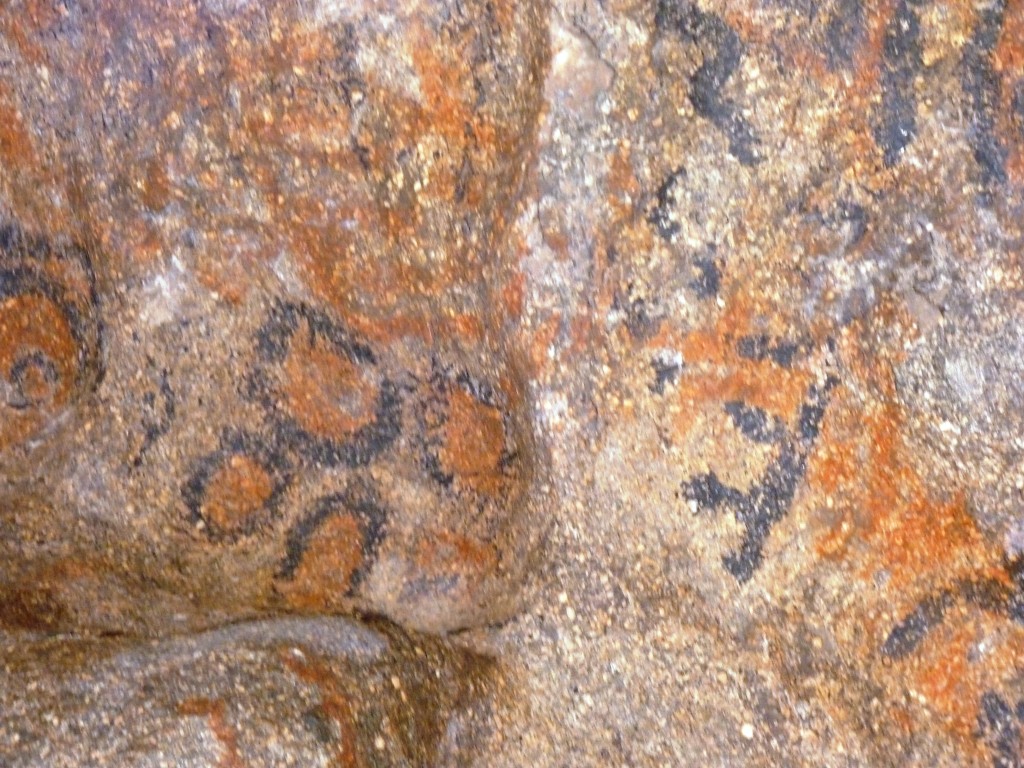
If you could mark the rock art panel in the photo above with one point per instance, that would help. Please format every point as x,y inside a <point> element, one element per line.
<point>284,368</point>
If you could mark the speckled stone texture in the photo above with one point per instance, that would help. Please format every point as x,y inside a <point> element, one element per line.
<point>302,692</point>
<point>257,309</point>
<point>665,357</point>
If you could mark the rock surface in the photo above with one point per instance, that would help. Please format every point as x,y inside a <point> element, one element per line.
<point>667,355</point>
<point>256,332</point>
<point>286,692</point>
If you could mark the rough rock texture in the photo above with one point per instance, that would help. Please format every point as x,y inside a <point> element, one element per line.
<point>310,692</point>
<point>670,350</point>
<point>255,330</point>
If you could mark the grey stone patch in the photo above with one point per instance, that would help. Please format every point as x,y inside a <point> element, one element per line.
<point>963,385</point>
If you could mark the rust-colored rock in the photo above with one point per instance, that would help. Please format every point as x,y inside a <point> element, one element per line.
<point>314,307</point>
<point>273,230</point>
<point>50,336</point>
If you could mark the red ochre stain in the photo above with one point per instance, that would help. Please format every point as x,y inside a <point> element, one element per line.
<point>333,702</point>
<point>34,607</point>
<point>951,675</point>
<point>33,324</point>
<point>24,26</point>
<point>1008,62</point>
<point>622,184</point>
<point>214,711</point>
<point>890,522</point>
<point>16,146</point>
<point>474,443</point>
<point>231,275</point>
<point>543,339</point>
<point>236,493</point>
<point>447,552</point>
<point>513,296</point>
<point>854,88</point>
<point>716,372</point>
<point>334,552</point>
<point>326,393</point>
<point>863,462</point>
<point>446,117</point>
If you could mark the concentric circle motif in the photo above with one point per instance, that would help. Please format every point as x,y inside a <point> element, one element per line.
<point>49,334</point>
<point>322,388</point>
<point>236,490</point>
<point>470,444</point>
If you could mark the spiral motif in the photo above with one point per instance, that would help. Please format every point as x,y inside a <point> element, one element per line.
<point>49,334</point>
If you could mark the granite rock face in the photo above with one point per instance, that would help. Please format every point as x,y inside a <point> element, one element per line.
<point>669,354</point>
<point>286,692</point>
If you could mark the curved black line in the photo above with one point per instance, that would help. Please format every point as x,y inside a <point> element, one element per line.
<point>999,728</point>
<point>723,51</point>
<point>989,595</point>
<point>16,243</point>
<point>755,423</point>
<point>19,370</point>
<point>441,383</point>
<point>274,341</point>
<point>764,347</point>
<point>24,281</point>
<point>901,61</point>
<point>660,216</point>
<point>981,82</point>
<point>21,273</point>
<point>156,427</point>
<point>363,506</point>
<point>236,443</point>
<point>768,501</point>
